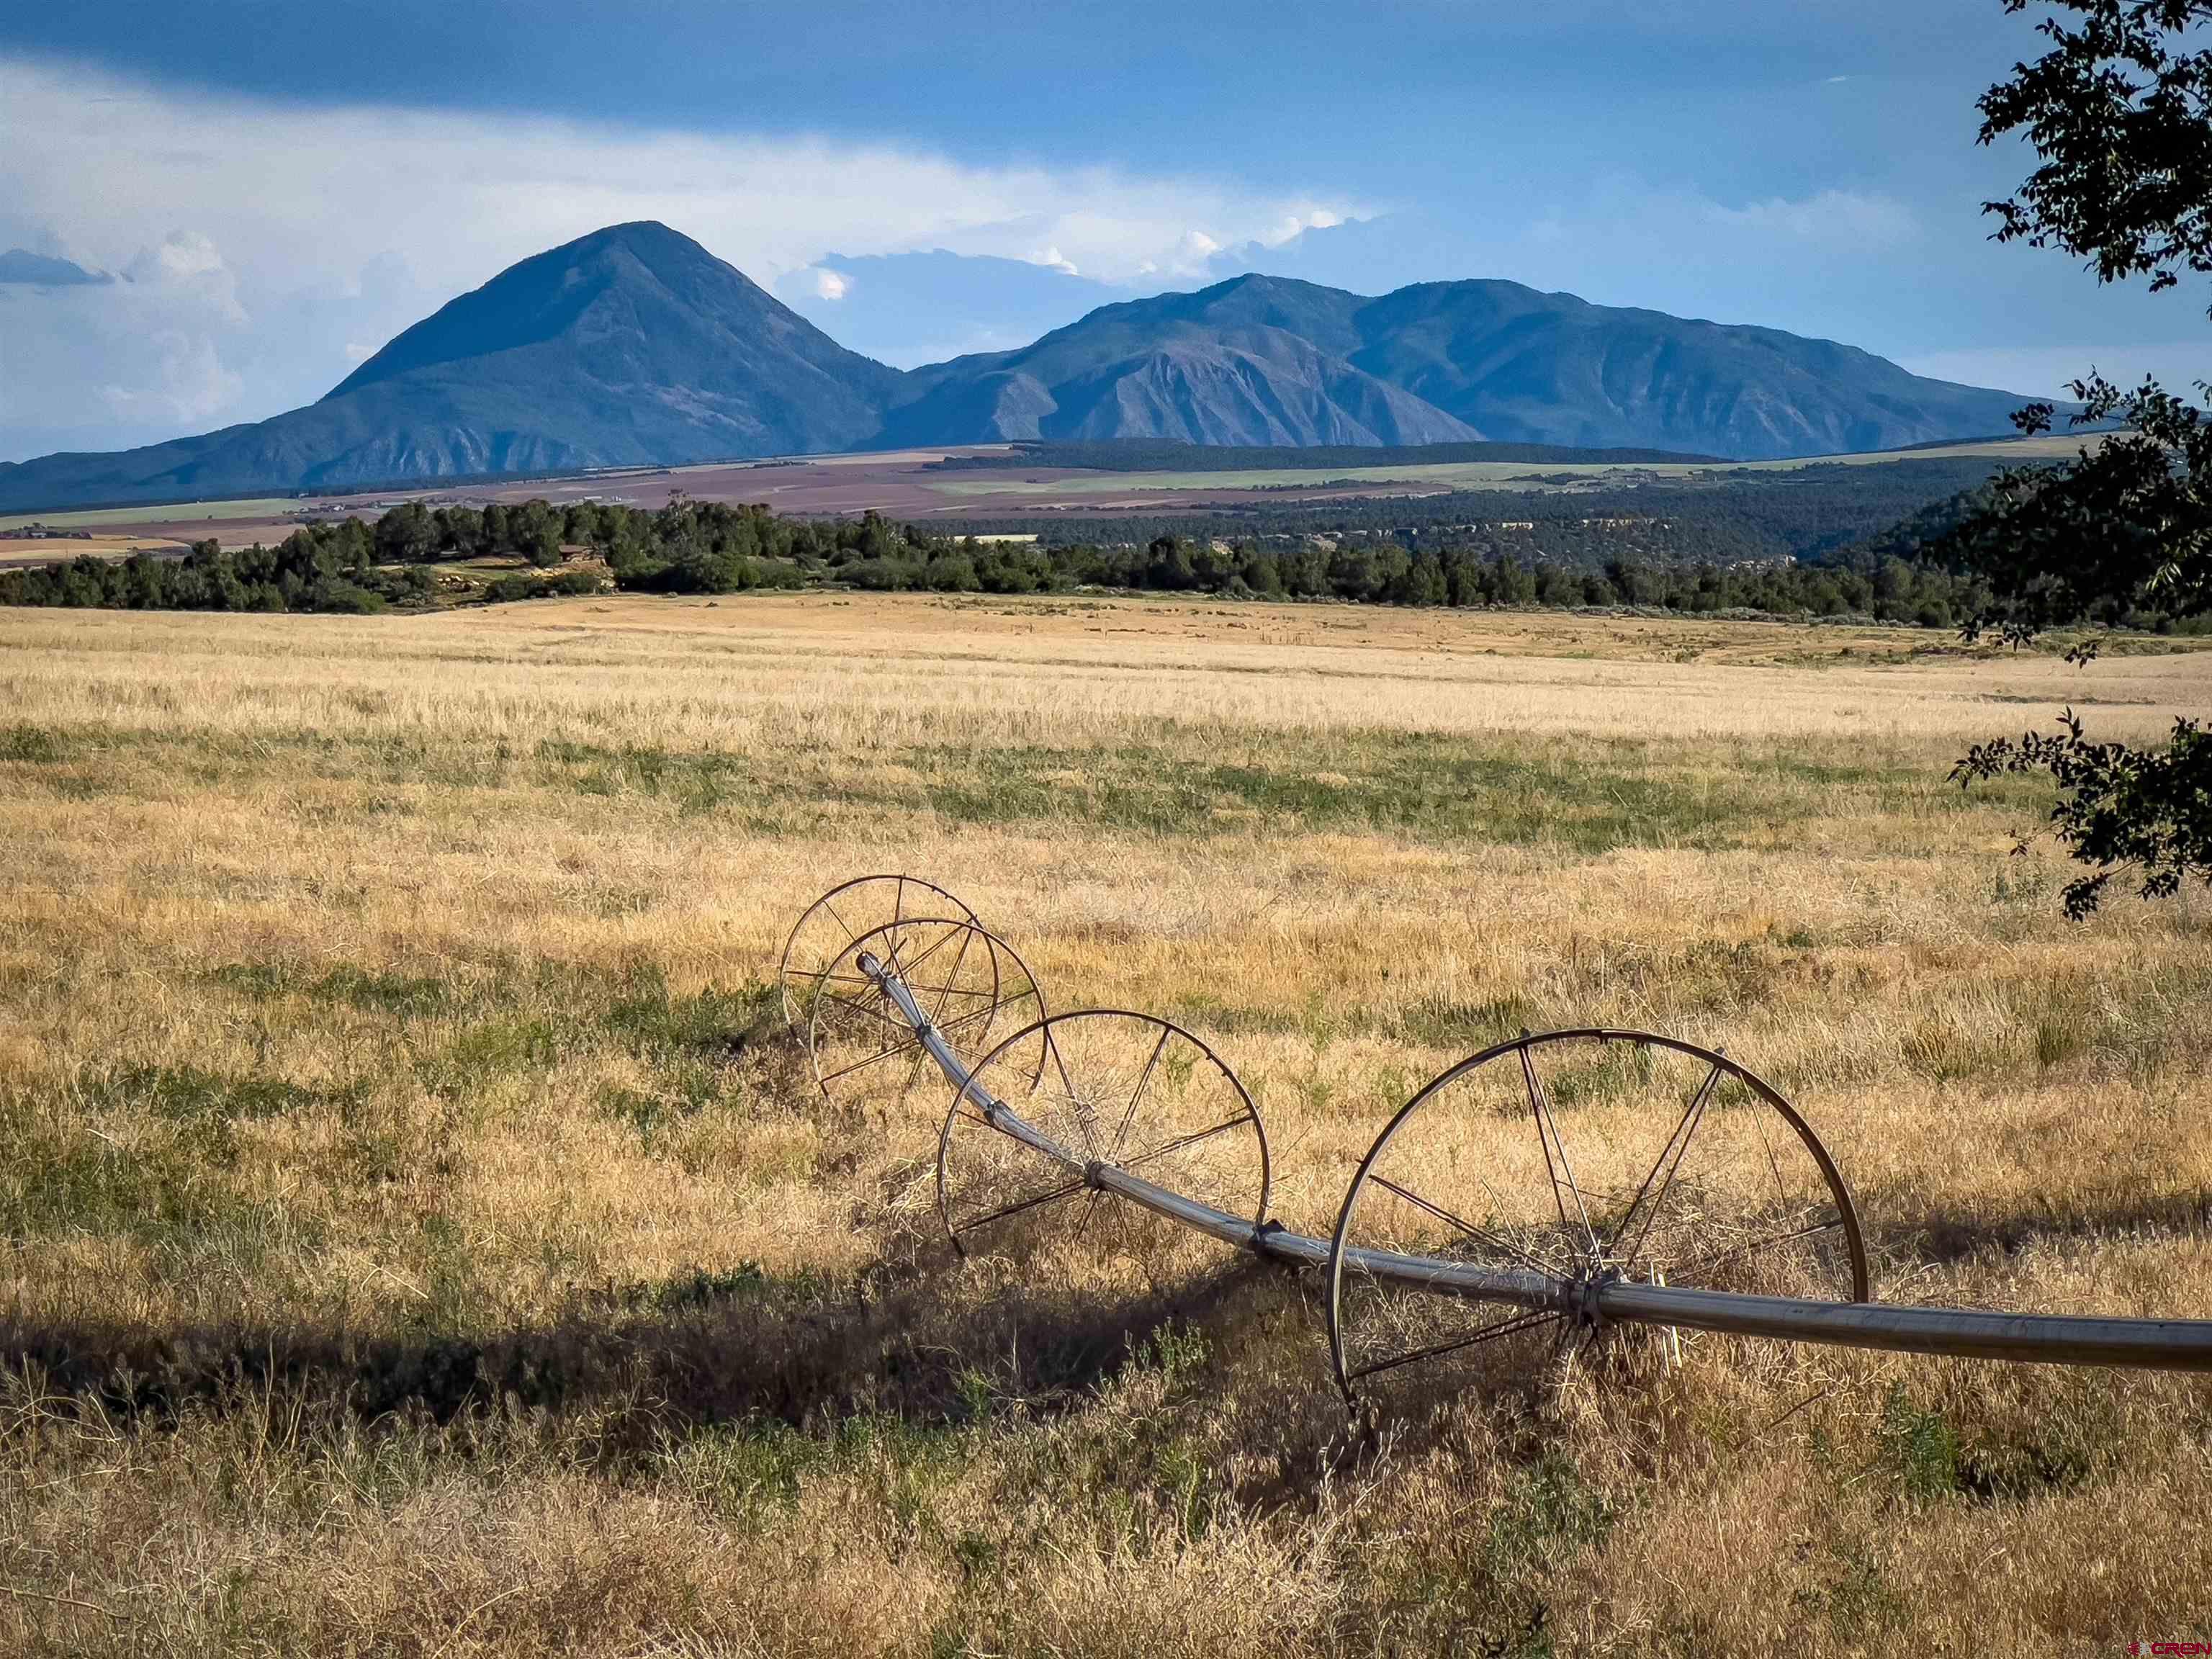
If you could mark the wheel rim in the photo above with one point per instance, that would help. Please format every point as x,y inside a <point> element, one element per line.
<point>1585,1155</point>
<point>966,981</point>
<point>1128,1089</point>
<point>827,928</point>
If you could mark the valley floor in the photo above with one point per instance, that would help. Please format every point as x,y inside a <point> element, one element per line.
<point>422,1237</point>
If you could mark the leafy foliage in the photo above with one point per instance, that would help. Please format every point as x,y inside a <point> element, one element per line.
<point>2120,117</point>
<point>704,547</point>
<point>2119,808</point>
<point>326,569</point>
<point>2125,528</point>
<point>1824,539</point>
<point>2124,125</point>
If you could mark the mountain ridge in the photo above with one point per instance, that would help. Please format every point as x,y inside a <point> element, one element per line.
<point>1490,360</point>
<point>636,346</point>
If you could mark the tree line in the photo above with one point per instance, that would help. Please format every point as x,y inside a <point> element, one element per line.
<point>707,547</point>
<point>1904,574</point>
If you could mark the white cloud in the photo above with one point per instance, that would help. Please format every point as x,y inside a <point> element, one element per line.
<point>1053,260</point>
<point>1294,225</point>
<point>187,262</point>
<point>182,344</point>
<point>192,384</point>
<point>182,256</point>
<point>142,358</point>
<point>830,284</point>
<point>289,216</point>
<point>1852,218</point>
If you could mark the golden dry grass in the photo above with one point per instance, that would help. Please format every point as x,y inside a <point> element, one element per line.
<point>421,1240</point>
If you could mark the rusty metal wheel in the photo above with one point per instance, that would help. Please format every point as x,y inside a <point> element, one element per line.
<point>1127,1090</point>
<point>1584,1156</point>
<point>968,983</point>
<point>826,929</point>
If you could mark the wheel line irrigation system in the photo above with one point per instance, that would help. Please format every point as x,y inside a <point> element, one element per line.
<point>887,975</point>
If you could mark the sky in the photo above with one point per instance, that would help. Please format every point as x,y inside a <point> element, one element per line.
<point>254,195</point>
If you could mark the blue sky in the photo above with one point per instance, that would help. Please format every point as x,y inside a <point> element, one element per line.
<point>279,187</point>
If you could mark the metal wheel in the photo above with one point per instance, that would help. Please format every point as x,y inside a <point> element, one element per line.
<point>967,981</point>
<point>1583,1155</point>
<point>827,927</point>
<point>1122,1089</point>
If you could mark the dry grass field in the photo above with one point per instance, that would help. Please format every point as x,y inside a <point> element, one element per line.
<point>421,1237</point>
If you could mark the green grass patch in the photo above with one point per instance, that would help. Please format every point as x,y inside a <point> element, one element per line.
<point>188,1094</point>
<point>1432,788</point>
<point>36,745</point>
<point>1586,794</point>
<point>404,995</point>
<point>1441,1023</point>
<point>172,1191</point>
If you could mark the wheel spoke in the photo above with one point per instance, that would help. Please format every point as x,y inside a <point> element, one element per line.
<point>1670,1159</point>
<point>875,1014</point>
<point>936,945</point>
<point>1706,1264</point>
<point>1449,1219</point>
<point>890,938</point>
<point>969,1019</point>
<point>847,1071</point>
<point>1548,1132</point>
<point>1075,1105</point>
<point>1182,1141</point>
<point>914,1071</point>
<point>960,958</point>
<point>1135,1094</point>
<point>1019,1205</point>
<point>1082,1216</point>
<point>1771,1162</point>
<point>1527,1322</point>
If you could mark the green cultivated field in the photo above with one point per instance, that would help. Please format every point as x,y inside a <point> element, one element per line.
<point>264,506</point>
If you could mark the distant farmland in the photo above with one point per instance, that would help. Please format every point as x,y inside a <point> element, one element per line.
<point>1447,475</point>
<point>906,485</point>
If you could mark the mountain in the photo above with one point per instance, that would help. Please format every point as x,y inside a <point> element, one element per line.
<point>634,345</point>
<point>38,271</point>
<point>1266,360</point>
<point>1254,361</point>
